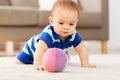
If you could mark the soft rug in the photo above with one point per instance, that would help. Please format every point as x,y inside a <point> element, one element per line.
<point>108,68</point>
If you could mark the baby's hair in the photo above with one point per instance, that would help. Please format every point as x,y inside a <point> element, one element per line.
<point>66,4</point>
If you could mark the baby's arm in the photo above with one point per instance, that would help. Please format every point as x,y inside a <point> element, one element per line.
<point>83,55</point>
<point>40,50</point>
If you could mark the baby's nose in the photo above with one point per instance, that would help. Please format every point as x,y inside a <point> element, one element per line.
<point>66,26</point>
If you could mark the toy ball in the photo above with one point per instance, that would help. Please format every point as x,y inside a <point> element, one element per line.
<point>54,60</point>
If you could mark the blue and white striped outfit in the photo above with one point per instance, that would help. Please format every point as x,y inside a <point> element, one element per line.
<point>26,55</point>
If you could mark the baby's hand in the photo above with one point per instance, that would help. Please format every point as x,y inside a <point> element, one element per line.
<point>39,67</point>
<point>89,66</point>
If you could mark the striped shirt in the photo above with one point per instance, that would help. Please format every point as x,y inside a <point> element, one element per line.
<point>52,40</point>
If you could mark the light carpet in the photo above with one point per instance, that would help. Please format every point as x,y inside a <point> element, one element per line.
<point>108,68</point>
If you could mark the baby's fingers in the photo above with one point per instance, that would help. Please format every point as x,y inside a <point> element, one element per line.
<point>39,67</point>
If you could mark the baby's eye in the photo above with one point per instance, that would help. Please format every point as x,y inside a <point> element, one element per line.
<point>71,24</point>
<point>61,23</point>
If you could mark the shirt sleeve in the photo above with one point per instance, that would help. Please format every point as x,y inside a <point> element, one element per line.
<point>45,37</point>
<point>77,40</point>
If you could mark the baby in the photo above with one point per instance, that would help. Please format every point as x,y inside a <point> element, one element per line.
<point>60,33</point>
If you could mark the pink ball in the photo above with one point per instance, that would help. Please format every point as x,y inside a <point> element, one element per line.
<point>54,60</point>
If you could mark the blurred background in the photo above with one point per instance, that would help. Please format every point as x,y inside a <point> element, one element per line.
<point>93,46</point>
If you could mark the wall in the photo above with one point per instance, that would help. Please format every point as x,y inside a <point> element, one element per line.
<point>114,24</point>
<point>47,3</point>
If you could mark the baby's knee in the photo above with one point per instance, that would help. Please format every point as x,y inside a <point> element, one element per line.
<point>18,61</point>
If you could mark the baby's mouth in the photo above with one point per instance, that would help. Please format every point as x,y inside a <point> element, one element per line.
<point>65,32</point>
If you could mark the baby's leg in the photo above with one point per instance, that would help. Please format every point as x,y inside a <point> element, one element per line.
<point>18,61</point>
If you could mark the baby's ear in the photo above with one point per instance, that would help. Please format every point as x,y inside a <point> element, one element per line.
<point>51,20</point>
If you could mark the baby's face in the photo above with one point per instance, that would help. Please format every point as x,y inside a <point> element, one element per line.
<point>64,22</point>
